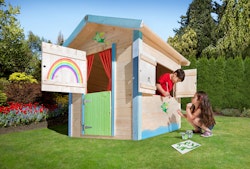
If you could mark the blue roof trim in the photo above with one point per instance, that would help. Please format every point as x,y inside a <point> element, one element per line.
<point>111,21</point>
<point>114,21</point>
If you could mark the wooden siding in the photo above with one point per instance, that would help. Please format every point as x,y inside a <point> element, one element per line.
<point>161,58</point>
<point>188,87</point>
<point>76,114</point>
<point>84,41</point>
<point>154,117</point>
<point>123,128</point>
<point>62,69</point>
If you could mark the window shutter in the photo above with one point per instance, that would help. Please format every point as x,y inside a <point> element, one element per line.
<point>63,69</point>
<point>147,72</point>
<point>188,87</point>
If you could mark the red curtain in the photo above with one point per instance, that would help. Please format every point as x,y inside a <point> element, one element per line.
<point>105,57</point>
<point>90,59</point>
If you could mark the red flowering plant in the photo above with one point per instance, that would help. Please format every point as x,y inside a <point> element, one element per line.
<point>21,114</point>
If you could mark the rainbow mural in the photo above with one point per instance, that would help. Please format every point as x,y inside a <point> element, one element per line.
<point>65,63</point>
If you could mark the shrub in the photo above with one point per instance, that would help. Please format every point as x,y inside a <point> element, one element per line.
<point>22,77</point>
<point>3,97</point>
<point>22,88</point>
<point>231,112</point>
<point>62,99</point>
<point>3,83</point>
<point>23,93</point>
<point>245,113</point>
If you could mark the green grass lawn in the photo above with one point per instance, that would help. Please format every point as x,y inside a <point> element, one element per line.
<point>45,148</point>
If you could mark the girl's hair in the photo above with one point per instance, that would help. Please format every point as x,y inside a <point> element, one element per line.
<point>206,116</point>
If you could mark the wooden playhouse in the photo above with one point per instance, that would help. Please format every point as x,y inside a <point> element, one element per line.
<point>109,66</point>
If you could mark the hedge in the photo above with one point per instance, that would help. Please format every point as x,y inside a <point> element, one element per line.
<point>226,81</point>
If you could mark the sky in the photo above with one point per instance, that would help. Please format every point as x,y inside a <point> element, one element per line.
<point>47,18</point>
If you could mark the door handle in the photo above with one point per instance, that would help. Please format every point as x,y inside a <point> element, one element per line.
<point>86,127</point>
<point>86,101</point>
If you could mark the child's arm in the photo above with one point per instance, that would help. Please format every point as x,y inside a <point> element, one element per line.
<point>182,115</point>
<point>191,115</point>
<point>162,91</point>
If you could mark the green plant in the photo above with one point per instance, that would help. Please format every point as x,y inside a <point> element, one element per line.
<point>225,80</point>
<point>3,97</point>
<point>22,77</point>
<point>231,112</point>
<point>61,100</point>
<point>3,83</point>
<point>245,113</point>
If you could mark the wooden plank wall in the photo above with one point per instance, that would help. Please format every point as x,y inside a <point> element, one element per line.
<point>84,41</point>
<point>154,117</point>
<point>161,58</point>
<point>76,114</point>
<point>124,82</point>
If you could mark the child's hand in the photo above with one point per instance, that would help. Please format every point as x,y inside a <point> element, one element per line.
<point>166,94</point>
<point>189,105</point>
<point>180,113</point>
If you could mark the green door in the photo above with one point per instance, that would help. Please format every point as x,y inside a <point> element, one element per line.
<point>97,114</point>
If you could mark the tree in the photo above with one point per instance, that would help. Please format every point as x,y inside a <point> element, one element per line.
<point>201,21</point>
<point>185,44</point>
<point>14,52</point>
<point>34,42</point>
<point>198,19</point>
<point>60,39</point>
<point>235,25</point>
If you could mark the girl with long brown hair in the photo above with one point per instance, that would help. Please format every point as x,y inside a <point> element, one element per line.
<point>199,114</point>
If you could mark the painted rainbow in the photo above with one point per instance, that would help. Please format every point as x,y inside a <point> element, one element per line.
<point>65,63</point>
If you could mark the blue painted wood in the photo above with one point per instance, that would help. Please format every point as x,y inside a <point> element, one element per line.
<point>137,96</point>
<point>137,34</point>
<point>69,115</point>
<point>111,21</point>
<point>113,90</point>
<point>160,130</point>
<point>114,21</point>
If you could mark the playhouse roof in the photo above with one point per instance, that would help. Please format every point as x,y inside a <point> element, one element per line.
<point>132,24</point>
